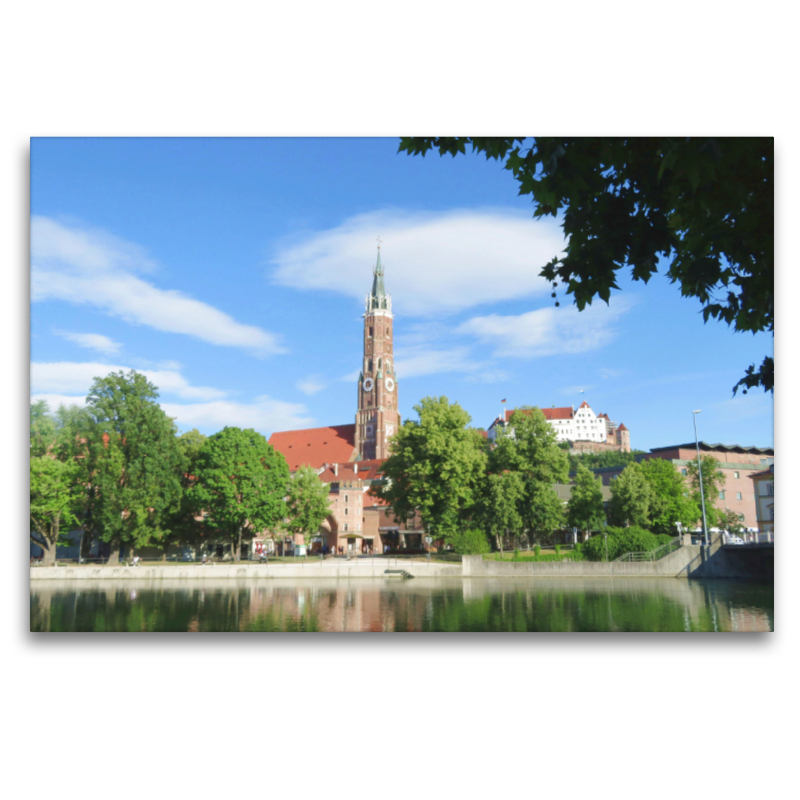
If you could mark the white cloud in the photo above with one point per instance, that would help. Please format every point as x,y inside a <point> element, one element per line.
<point>90,267</point>
<point>265,415</point>
<point>55,400</point>
<point>312,384</point>
<point>412,362</point>
<point>434,262</point>
<point>70,378</point>
<point>548,331</point>
<point>92,341</point>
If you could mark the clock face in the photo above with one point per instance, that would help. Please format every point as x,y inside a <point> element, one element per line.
<point>370,430</point>
<point>389,384</point>
<point>368,384</point>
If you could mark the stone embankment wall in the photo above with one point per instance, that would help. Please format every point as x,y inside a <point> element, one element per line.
<point>690,561</point>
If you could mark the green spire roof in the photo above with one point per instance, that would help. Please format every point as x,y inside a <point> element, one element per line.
<point>378,289</point>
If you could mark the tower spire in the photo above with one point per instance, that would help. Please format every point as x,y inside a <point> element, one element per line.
<point>378,299</point>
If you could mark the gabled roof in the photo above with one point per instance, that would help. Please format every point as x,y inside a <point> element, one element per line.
<point>562,412</point>
<point>369,470</point>
<point>316,446</point>
<point>584,404</point>
<point>621,427</point>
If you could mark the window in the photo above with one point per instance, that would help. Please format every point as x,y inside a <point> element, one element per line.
<point>345,526</point>
<point>722,495</point>
<point>735,474</point>
<point>684,472</point>
<point>738,495</point>
<point>345,511</point>
<point>772,513</point>
<point>370,331</point>
<point>771,489</point>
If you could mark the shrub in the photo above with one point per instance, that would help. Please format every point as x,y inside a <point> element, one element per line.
<point>469,542</point>
<point>516,555</point>
<point>558,549</point>
<point>621,541</point>
<point>537,550</point>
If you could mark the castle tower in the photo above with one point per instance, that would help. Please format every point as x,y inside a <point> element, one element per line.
<point>377,417</point>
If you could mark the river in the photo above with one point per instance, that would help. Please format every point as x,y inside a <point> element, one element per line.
<point>393,605</point>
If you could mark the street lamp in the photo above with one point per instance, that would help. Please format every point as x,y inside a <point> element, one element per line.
<point>700,476</point>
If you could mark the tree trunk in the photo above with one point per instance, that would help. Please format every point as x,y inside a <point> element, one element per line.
<point>238,554</point>
<point>49,554</point>
<point>113,556</point>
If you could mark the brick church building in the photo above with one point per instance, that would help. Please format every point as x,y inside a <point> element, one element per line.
<point>348,457</point>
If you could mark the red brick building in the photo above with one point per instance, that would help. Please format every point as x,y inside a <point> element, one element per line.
<point>737,464</point>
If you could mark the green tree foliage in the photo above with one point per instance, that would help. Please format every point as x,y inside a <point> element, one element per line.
<point>133,460</point>
<point>42,430</point>
<point>620,541</point>
<point>185,525</point>
<point>733,522</point>
<point>241,484</point>
<point>671,497</point>
<point>500,500</point>
<point>436,466</point>
<point>470,541</point>
<point>585,506</point>
<point>56,500</point>
<point>713,481</point>
<point>631,498</point>
<point>607,458</point>
<point>528,446</point>
<point>706,204</point>
<point>307,504</point>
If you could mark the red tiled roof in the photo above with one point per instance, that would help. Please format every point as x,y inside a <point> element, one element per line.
<point>316,446</point>
<point>368,470</point>
<point>562,412</point>
<point>373,502</point>
<point>621,427</point>
<point>584,403</point>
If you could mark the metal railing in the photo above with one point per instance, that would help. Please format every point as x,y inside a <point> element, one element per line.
<point>651,555</point>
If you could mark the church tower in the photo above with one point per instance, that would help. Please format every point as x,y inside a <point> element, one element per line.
<point>377,418</point>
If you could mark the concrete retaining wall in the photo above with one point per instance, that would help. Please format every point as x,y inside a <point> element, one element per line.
<point>359,568</point>
<point>690,561</point>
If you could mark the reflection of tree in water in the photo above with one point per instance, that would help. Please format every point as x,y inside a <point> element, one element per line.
<point>565,611</point>
<point>620,605</point>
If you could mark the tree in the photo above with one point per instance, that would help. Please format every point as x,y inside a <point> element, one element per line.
<point>133,461</point>
<point>528,445</point>
<point>498,509</point>
<point>713,481</point>
<point>184,525</point>
<point>307,504</point>
<point>56,499</point>
<point>705,203</point>
<point>672,501</point>
<point>585,506</point>
<point>732,522</point>
<point>436,467</point>
<point>241,484</point>
<point>606,458</point>
<point>631,498</point>
<point>42,430</point>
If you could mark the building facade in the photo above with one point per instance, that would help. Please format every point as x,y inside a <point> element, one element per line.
<point>581,427</point>
<point>764,496</point>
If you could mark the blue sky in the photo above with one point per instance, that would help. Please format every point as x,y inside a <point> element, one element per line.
<point>233,271</point>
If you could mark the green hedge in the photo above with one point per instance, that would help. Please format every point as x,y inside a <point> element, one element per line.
<point>621,541</point>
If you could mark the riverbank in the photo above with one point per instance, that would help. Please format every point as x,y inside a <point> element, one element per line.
<point>690,561</point>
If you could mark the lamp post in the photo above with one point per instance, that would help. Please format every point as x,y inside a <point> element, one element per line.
<point>700,476</point>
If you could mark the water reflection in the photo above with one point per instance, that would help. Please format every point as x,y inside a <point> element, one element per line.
<point>469,604</point>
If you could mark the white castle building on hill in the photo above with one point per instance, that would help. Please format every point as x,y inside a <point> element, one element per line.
<point>584,429</point>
